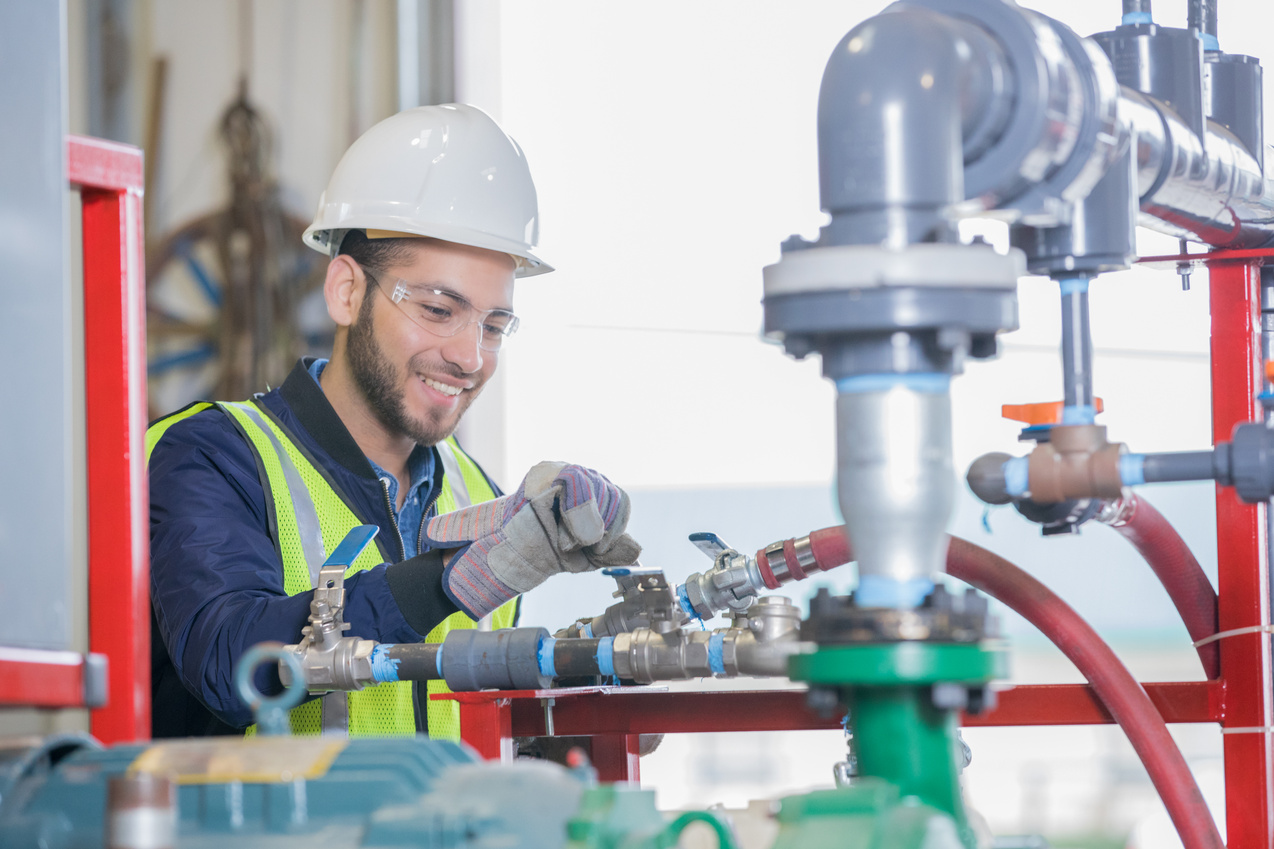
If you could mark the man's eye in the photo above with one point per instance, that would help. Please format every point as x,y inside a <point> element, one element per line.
<point>435,312</point>
<point>492,330</point>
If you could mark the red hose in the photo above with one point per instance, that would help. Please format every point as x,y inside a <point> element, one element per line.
<point>1123,697</point>
<point>1179,572</point>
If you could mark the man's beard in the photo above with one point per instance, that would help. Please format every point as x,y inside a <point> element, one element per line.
<point>376,378</point>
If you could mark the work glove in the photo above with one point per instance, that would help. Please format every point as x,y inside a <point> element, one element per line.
<point>563,518</point>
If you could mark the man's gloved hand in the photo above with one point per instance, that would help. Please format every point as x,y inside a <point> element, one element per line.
<point>563,518</point>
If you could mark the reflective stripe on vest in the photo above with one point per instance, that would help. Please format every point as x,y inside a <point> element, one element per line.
<point>301,500</point>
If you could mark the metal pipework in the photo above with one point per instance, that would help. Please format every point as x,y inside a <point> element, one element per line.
<point>1136,7</point>
<point>631,612</point>
<point>926,90</point>
<point>757,644</point>
<point>1209,189</point>
<point>1201,18</point>
<point>1078,463</point>
<point>1028,123</point>
<point>330,660</point>
<point>1078,404</point>
<point>896,483</point>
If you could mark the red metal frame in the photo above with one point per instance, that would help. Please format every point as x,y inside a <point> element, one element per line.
<point>41,678</point>
<point>1240,701</point>
<point>109,179</point>
<point>1243,576</point>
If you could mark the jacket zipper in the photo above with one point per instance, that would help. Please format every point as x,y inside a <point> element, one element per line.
<point>389,510</point>
<point>424,520</point>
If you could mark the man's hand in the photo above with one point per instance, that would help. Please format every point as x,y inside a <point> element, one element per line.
<point>563,518</point>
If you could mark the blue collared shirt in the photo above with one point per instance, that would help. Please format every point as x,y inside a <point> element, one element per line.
<point>420,467</point>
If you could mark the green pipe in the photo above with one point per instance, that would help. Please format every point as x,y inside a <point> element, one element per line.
<point>901,737</point>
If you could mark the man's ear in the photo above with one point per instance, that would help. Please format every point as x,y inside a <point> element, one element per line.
<point>343,290</point>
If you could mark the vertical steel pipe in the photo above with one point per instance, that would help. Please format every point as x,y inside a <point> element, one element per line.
<point>1078,405</point>
<point>896,482</point>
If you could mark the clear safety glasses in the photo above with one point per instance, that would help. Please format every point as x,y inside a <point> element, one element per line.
<point>445,313</point>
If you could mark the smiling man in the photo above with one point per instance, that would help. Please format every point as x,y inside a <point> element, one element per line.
<point>428,219</point>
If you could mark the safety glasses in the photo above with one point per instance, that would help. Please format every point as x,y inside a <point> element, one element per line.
<point>445,313</point>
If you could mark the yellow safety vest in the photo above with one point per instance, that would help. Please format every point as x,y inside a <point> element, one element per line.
<point>308,520</point>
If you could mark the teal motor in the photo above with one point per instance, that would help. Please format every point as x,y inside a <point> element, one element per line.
<point>70,793</point>
<point>276,791</point>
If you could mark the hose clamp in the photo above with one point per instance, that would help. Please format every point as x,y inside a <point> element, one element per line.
<point>776,560</point>
<point>805,559</point>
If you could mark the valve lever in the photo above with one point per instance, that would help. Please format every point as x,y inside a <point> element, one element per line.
<point>709,543</point>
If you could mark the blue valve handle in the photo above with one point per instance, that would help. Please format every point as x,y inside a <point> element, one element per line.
<point>347,551</point>
<point>709,543</point>
<point>635,570</point>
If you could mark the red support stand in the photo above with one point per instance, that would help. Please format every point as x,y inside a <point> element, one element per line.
<point>109,177</point>
<point>1243,576</point>
<point>615,757</point>
<point>486,725</point>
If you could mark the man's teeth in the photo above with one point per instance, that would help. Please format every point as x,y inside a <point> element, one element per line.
<point>442,387</point>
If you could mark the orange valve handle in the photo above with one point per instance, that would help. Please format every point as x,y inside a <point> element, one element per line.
<point>1044,412</point>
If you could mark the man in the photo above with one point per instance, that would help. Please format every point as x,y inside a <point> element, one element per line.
<point>428,219</point>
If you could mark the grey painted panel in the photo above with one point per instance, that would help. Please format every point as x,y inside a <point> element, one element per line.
<point>35,498</point>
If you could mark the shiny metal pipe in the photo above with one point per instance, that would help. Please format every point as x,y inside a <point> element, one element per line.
<point>896,483</point>
<point>1210,190</point>
<point>1077,347</point>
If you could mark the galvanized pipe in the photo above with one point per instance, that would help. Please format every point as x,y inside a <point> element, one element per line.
<point>1207,190</point>
<point>1077,354</point>
<point>896,483</point>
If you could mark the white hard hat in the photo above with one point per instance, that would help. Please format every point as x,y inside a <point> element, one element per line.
<point>447,172</point>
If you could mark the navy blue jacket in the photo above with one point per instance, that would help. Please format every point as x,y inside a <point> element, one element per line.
<point>216,576</point>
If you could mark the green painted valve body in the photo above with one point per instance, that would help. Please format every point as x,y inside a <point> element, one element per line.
<point>909,794</point>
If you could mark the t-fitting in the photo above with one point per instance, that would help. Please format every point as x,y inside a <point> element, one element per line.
<point>1076,462</point>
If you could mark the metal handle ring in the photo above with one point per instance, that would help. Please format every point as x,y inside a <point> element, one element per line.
<point>271,711</point>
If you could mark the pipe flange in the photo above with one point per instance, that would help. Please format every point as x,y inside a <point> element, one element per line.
<point>943,618</point>
<point>936,265</point>
<point>885,311</point>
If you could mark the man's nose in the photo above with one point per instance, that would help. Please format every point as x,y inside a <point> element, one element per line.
<point>462,350</point>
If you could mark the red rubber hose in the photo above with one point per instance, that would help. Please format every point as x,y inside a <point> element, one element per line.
<point>1178,570</point>
<point>1123,697</point>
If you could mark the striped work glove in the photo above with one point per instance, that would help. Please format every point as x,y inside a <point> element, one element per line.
<point>563,518</point>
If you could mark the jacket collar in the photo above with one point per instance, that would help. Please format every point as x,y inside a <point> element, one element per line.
<point>303,394</point>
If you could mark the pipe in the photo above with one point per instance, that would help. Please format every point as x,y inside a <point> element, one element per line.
<point>1137,521</point>
<point>1178,466</point>
<point>1138,8</point>
<point>1078,406</point>
<point>406,662</point>
<point>1122,696</point>
<point>1211,190</point>
<point>903,97</point>
<point>1201,18</point>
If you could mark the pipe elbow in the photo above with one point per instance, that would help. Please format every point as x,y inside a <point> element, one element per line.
<point>902,95</point>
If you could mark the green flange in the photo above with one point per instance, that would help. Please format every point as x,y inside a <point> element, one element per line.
<point>902,663</point>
